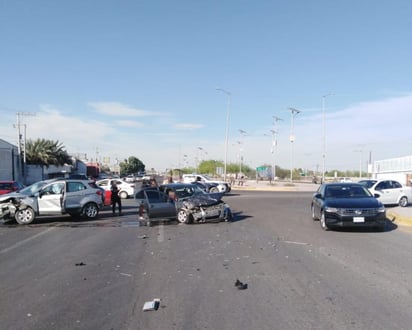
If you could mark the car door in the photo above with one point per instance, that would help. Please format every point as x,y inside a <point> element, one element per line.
<point>75,193</point>
<point>386,192</point>
<point>50,199</point>
<point>159,205</point>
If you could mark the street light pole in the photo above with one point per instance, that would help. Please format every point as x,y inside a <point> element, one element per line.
<point>274,144</point>
<point>242,134</point>
<point>293,113</point>
<point>324,136</point>
<point>227,127</point>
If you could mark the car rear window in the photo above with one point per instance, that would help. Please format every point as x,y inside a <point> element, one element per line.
<point>5,185</point>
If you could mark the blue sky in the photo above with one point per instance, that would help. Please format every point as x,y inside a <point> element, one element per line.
<point>138,78</point>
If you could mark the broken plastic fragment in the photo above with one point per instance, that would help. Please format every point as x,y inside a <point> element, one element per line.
<point>151,305</point>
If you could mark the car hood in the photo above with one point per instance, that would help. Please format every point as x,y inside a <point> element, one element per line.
<point>202,200</point>
<point>12,195</point>
<point>353,202</point>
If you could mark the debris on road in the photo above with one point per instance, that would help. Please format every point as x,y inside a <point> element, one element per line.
<point>240,285</point>
<point>151,305</point>
<point>81,264</point>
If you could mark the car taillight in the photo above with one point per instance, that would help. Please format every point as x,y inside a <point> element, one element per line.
<point>99,192</point>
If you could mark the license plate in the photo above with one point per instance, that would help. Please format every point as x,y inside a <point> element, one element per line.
<point>358,219</point>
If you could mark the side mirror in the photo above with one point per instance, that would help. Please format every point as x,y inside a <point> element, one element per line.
<point>318,195</point>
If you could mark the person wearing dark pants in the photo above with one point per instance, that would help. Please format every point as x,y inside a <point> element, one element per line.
<point>115,198</point>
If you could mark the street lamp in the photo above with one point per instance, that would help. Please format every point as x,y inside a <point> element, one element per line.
<point>242,134</point>
<point>227,126</point>
<point>360,162</point>
<point>324,135</point>
<point>293,113</point>
<point>274,144</point>
<point>198,158</point>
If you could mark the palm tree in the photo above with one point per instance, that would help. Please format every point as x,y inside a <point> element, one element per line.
<point>46,152</point>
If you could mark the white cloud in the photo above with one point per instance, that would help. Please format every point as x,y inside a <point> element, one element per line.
<point>119,109</point>
<point>128,123</point>
<point>188,126</point>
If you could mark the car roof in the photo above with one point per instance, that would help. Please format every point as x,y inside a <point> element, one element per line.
<point>177,185</point>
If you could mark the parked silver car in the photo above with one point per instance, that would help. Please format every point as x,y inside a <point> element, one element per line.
<point>52,197</point>
<point>391,192</point>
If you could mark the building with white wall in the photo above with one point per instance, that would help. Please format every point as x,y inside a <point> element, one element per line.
<point>399,169</point>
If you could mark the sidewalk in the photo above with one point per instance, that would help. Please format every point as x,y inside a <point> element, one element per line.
<point>396,214</point>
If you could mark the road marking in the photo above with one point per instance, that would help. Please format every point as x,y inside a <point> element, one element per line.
<point>18,244</point>
<point>298,243</point>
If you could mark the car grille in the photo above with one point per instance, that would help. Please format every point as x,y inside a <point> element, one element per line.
<point>358,212</point>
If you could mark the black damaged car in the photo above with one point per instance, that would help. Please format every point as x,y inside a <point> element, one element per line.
<point>347,205</point>
<point>184,202</point>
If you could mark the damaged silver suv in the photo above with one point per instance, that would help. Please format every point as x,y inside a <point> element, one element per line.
<point>52,197</point>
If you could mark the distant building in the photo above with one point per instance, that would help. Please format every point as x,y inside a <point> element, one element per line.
<point>399,169</point>
<point>10,163</point>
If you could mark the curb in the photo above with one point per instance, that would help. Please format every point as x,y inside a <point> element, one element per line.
<point>398,218</point>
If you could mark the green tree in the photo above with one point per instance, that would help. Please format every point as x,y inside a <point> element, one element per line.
<point>131,165</point>
<point>46,152</point>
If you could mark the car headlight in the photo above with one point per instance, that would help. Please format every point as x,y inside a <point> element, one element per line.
<point>331,209</point>
<point>381,209</point>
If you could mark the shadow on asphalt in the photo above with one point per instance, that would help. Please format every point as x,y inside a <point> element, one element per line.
<point>389,226</point>
<point>129,218</point>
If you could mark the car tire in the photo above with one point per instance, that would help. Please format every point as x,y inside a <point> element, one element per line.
<point>323,222</point>
<point>123,195</point>
<point>183,216</point>
<point>228,216</point>
<point>403,202</point>
<point>214,190</point>
<point>90,210</point>
<point>24,216</point>
<point>312,209</point>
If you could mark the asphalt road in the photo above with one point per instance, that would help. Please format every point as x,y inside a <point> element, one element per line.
<point>65,274</point>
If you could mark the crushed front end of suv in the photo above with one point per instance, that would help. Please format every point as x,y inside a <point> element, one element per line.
<point>52,197</point>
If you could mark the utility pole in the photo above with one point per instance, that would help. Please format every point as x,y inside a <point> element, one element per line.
<point>21,142</point>
<point>293,113</point>
<point>274,144</point>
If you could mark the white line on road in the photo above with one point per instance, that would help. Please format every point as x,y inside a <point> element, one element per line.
<point>298,243</point>
<point>18,244</point>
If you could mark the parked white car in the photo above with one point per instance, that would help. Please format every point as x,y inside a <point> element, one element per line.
<point>222,186</point>
<point>126,189</point>
<point>391,192</point>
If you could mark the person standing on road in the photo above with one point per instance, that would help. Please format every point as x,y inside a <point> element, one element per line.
<point>115,197</point>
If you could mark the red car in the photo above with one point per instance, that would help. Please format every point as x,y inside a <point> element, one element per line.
<point>9,186</point>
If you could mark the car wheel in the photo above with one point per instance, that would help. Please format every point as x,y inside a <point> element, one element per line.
<point>228,215</point>
<point>312,208</point>
<point>323,222</point>
<point>214,190</point>
<point>90,211</point>
<point>24,216</point>
<point>183,216</point>
<point>123,195</point>
<point>403,202</point>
